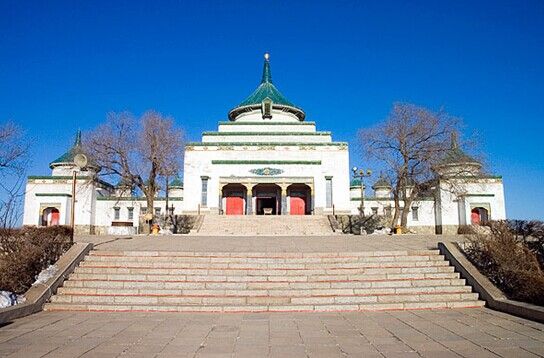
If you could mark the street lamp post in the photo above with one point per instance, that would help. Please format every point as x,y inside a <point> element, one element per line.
<point>80,160</point>
<point>361,174</point>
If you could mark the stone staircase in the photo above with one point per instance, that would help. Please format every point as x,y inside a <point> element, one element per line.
<point>259,282</point>
<point>263,225</point>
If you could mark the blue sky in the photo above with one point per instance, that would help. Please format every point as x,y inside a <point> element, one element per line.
<point>64,65</point>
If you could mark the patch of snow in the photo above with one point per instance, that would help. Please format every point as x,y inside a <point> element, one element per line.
<point>8,299</point>
<point>46,274</point>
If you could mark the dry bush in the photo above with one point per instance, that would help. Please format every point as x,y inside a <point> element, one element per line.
<point>508,263</point>
<point>466,230</point>
<point>25,252</point>
<point>351,224</point>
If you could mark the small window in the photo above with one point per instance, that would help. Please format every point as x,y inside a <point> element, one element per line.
<point>374,211</point>
<point>143,210</point>
<point>387,211</point>
<point>130,213</point>
<point>116,213</point>
<point>157,211</point>
<point>415,213</point>
<point>267,108</point>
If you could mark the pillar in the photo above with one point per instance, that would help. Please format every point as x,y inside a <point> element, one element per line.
<point>249,199</point>
<point>312,199</point>
<point>283,196</point>
<point>220,205</point>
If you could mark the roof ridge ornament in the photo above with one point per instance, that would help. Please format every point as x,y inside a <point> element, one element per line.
<point>267,74</point>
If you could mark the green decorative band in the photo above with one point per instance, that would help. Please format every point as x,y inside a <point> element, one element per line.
<point>54,194</point>
<point>266,133</point>
<point>135,198</point>
<point>305,162</point>
<point>475,177</point>
<point>267,144</point>
<point>67,177</point>
<point>427,198</point>
<point>266,123</point>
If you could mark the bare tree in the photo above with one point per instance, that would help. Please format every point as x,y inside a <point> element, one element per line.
<point>137,152</point>
<point>409,143</point>
<point>14,149</point>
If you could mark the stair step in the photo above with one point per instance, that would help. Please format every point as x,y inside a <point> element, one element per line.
<point>266,308</point>
<point>220,254</point>
<point>260,272</point>
<point>263,278</point>
<point>262,285</point>
<point>267,300</point>
<point>255,292</point>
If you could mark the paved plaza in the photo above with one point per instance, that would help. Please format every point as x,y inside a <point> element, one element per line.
<point>424,333</point>
<point>333,243</point>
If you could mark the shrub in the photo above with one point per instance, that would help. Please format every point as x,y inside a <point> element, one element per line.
<point>25,252</point>
<point>508,263</point>
<point>466,230</point>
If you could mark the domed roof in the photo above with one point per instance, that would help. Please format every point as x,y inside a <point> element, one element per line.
<point>67,159</point>
<point>266,90</point>
<point>456,155</point>
<point>381,183</point>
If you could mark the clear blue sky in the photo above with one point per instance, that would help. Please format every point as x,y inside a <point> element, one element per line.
<point>62,67</point>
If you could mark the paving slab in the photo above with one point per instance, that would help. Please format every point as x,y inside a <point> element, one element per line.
<point>423,333</point>
<point>306,244</point>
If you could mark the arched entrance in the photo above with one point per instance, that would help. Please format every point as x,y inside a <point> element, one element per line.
<point>234,199</point>
<point>479,216</point>
<point>267,199</point>
<point>50,216</point>
<point>299,199</point>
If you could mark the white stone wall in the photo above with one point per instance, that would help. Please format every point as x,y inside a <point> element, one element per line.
<point>334,162</point>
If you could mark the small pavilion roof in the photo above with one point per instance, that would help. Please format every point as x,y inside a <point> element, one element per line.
<point>68,157</point>
<point>455,155</point>
<point>176,183</point>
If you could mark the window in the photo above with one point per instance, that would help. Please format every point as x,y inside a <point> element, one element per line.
<point>415,213</point>
<point>143,210</point>
<point>157,211</point>
<point>116,213</point>
<point>328,191</point>
<point>387,211</point>
<point>204,198</point>
<point>267,108</point>
<point>130,213</point>
<point>374,211</point>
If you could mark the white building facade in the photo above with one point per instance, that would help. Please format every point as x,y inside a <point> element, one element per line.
<point>266,159</point>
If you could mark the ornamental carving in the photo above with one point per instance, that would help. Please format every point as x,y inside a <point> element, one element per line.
<point>266,171</point>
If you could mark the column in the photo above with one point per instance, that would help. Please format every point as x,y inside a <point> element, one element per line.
<point>220,199</point>
<point>283,197</point>
<point>249,199</point>
<point>312,199</point>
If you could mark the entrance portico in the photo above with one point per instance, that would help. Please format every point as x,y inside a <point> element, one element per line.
<point>265,196</point>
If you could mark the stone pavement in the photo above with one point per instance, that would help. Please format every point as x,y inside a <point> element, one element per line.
<point>342,243</point>
<point>424,333</point>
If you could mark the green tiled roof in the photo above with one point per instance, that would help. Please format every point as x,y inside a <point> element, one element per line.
<point>266,89</point>
<point>381,183</point>
<point>68,157</point>
<point>176,183</point>
<point>456,155</point>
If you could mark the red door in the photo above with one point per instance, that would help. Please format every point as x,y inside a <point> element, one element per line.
<point>235,205</point>
<point>298,206</point>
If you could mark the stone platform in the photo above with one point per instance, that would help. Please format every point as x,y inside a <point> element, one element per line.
<point>428,333</point>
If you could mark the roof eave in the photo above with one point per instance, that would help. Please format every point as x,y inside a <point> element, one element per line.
<point>235,112</point>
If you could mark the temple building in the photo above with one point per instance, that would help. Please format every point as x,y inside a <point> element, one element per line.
<point>265,159</point>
